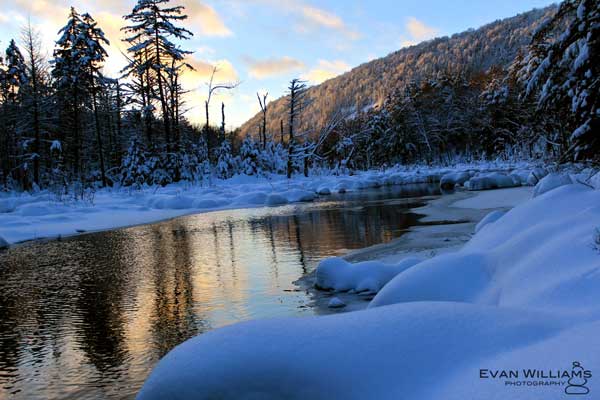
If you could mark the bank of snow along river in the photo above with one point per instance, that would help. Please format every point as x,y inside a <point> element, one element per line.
<point>521,295</point>
<point>90,316</point>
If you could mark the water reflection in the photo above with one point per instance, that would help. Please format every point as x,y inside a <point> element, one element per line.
<point>88,317</point>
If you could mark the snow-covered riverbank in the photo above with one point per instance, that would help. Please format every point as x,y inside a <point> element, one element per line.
<point>521,294</point>
<point>25,216</point>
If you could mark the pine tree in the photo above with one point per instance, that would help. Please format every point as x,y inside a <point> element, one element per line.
<point>91,63</point>
<point>153,52</point>
<point>69,81</point>
<point>563,72</point>
<point>11,83</point>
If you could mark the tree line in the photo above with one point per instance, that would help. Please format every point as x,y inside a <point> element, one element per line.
<point>67,126</point>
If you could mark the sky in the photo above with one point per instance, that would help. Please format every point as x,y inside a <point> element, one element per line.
<point>263,44</point>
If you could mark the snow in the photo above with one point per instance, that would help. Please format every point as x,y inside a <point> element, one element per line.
<point>521,294</point>
<point>489,219</point>
<point>595,181</point>
<point>551,181</point>
<point>450,180</point>
<point>500,198</point>
<point>335,302</point>
<point>44,214</point>
<point>369,276</point>
<point>492,180</point>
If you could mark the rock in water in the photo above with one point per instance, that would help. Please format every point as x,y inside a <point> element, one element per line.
<point>336,303</point>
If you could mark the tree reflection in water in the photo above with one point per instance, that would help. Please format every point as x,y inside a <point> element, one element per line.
<point>91,315</point>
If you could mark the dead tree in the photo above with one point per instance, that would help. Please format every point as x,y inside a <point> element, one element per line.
<point>263,109</point>
<point>296,101</point>
<point>212,89</point>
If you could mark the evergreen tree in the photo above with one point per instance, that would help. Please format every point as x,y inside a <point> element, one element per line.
<point>152,51</point>
<point>563,72</point>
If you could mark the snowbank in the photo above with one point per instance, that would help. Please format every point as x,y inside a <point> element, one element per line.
<point>494,180</point>
<point>369,276</point>
<point>449,181</point>
<point>551,181</point>
<point>25,216</point>
<point>522,294</point>
<point>488,219</point>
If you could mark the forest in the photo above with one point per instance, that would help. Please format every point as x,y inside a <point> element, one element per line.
<point>524,88</point>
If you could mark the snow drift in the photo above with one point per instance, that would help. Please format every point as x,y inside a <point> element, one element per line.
<point>523,293</point>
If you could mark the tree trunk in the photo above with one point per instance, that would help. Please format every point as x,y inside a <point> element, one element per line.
<point>99,139</point>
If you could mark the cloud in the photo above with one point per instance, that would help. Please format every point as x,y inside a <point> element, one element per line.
<point>417,32</point>
<point>326,70</point>
<point>205,19</point>
<point>197,78</point>
<point>309,19</point>
<point>261,69</point>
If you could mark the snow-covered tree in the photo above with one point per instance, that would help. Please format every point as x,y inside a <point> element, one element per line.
<point>564,74</point>
<point>226,163</point>
<point>153,52</point>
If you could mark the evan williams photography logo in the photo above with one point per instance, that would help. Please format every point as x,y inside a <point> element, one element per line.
<point>574,381</point>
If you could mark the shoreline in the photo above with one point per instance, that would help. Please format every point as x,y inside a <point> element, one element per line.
<point>423,241</point>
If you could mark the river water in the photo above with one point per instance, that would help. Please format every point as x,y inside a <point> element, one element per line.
<point>89,316</point>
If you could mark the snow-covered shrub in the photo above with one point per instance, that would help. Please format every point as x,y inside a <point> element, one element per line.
<point>249,157</point>
<point>226,163</point>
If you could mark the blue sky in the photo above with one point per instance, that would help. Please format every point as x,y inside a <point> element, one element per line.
<point>264,43</point>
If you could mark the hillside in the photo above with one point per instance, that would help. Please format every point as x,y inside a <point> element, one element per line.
<point>496,43</point>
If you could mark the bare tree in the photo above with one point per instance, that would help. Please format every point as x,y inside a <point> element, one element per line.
<point>297,102</point>
<point>263,109</point>
<point>212,89</point>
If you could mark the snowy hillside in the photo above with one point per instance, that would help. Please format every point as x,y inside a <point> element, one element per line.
<point>495,44</point>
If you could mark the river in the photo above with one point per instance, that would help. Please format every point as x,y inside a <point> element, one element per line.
<point>89,316</point>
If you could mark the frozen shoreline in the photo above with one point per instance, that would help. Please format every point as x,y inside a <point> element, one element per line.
<point>522,293</point>
<point>425,241</point>
<point>25,217</point>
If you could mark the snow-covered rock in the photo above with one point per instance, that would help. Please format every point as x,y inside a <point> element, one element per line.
<point>494,180</point>
<point>523,293</point>
<point>275,199</point>
<point>337,274</point>
<point>335,302</point>
<point>298,195</point>
<point>323,191</point>
<point>3,243</point>
<point>536,175</point>
<point>520,176</point>
<point>488,219</point>
<point>551,181</point>
<point>450,180</point>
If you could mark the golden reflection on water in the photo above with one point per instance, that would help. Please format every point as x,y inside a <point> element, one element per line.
<point>88,317</point>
